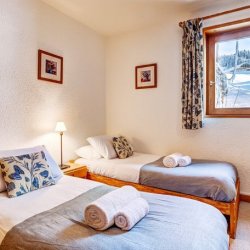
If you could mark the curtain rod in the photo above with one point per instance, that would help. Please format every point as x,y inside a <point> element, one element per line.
<point>221,13</point>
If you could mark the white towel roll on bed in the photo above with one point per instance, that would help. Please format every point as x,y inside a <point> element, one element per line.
<point>101,213</point>
<point>171,161</point>
<point>128,216</point>
<point>184,161</point>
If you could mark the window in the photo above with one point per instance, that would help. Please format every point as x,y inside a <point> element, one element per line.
<point>228,72</point>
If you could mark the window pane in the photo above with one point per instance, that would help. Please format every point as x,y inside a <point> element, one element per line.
<point>232,74</point>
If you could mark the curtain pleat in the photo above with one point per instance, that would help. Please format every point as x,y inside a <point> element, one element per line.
<point>192,74</point>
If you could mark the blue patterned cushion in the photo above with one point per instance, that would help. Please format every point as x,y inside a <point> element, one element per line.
<point>25,173</point>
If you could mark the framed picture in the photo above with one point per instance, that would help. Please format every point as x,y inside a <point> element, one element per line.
<point>50,67</point>
<point>146,76</point>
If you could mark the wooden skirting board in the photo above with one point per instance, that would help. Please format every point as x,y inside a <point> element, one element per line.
<point>231,209</point>
<point>245,197</point>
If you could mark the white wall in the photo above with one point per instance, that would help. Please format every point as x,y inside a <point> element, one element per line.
<point>151,118</point>
<point>29,108</point>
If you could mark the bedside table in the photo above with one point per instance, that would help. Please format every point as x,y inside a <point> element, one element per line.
<point>76,170</point>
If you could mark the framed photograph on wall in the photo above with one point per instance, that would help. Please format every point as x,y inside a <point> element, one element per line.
<point>146,76</point>
<point>50,67</point>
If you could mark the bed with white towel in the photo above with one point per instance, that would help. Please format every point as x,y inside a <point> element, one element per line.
<point>203,178</point>
<point>53,218</point>
<point>212,182</point>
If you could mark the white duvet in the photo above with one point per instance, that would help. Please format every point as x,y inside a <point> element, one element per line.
<point>122,169</point>
<point>15,210</point>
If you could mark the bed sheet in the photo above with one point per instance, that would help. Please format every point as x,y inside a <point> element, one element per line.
<point>171,224</point>
<point>39,201</point>
<point>122,169</point>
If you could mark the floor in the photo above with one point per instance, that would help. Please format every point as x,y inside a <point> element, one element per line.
<point>242,241</point>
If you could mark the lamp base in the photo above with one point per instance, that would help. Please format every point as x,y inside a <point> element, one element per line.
<point>64,166</point>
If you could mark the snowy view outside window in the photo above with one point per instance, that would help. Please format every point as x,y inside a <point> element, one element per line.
<point>232,74</point>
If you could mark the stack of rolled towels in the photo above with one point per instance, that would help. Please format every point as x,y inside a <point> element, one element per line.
<point>176,159</point>
<point>123,207</point>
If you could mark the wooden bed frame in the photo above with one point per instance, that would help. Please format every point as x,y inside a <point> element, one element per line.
<point>230,209</point>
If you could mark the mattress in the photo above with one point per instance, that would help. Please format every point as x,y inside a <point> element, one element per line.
<point>203,178</point>
<point>170,216</point>
<point>15,210</point>
<point>122,169</point>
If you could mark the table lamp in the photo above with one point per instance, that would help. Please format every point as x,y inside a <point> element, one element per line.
<point>60,127</point>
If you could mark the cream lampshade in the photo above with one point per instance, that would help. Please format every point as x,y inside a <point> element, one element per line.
<point>60,127</point>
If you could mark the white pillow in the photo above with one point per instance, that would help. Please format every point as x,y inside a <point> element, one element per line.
<point>55,169</point>
<point>103,145</point>
<point>88,152</point>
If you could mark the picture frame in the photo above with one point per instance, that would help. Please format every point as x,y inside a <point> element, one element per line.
<point>146,76</point>
<point>50,67</point>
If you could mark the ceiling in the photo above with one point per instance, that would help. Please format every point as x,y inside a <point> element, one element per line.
<point>111,17</point>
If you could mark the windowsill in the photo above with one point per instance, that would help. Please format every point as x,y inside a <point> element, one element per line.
<point>226,116</point>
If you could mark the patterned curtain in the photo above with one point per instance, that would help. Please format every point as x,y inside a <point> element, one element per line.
<point>192,74</point>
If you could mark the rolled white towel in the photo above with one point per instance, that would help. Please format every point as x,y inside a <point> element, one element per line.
<point>128,216</point>
<point>171,161</point>
<point>184,161</point>
<point>101,213</point>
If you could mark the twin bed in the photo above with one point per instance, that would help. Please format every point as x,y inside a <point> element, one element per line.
<point>52,218</point>
<point>213,182</point>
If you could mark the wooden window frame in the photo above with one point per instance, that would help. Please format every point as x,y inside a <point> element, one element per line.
<point>224,32</point>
